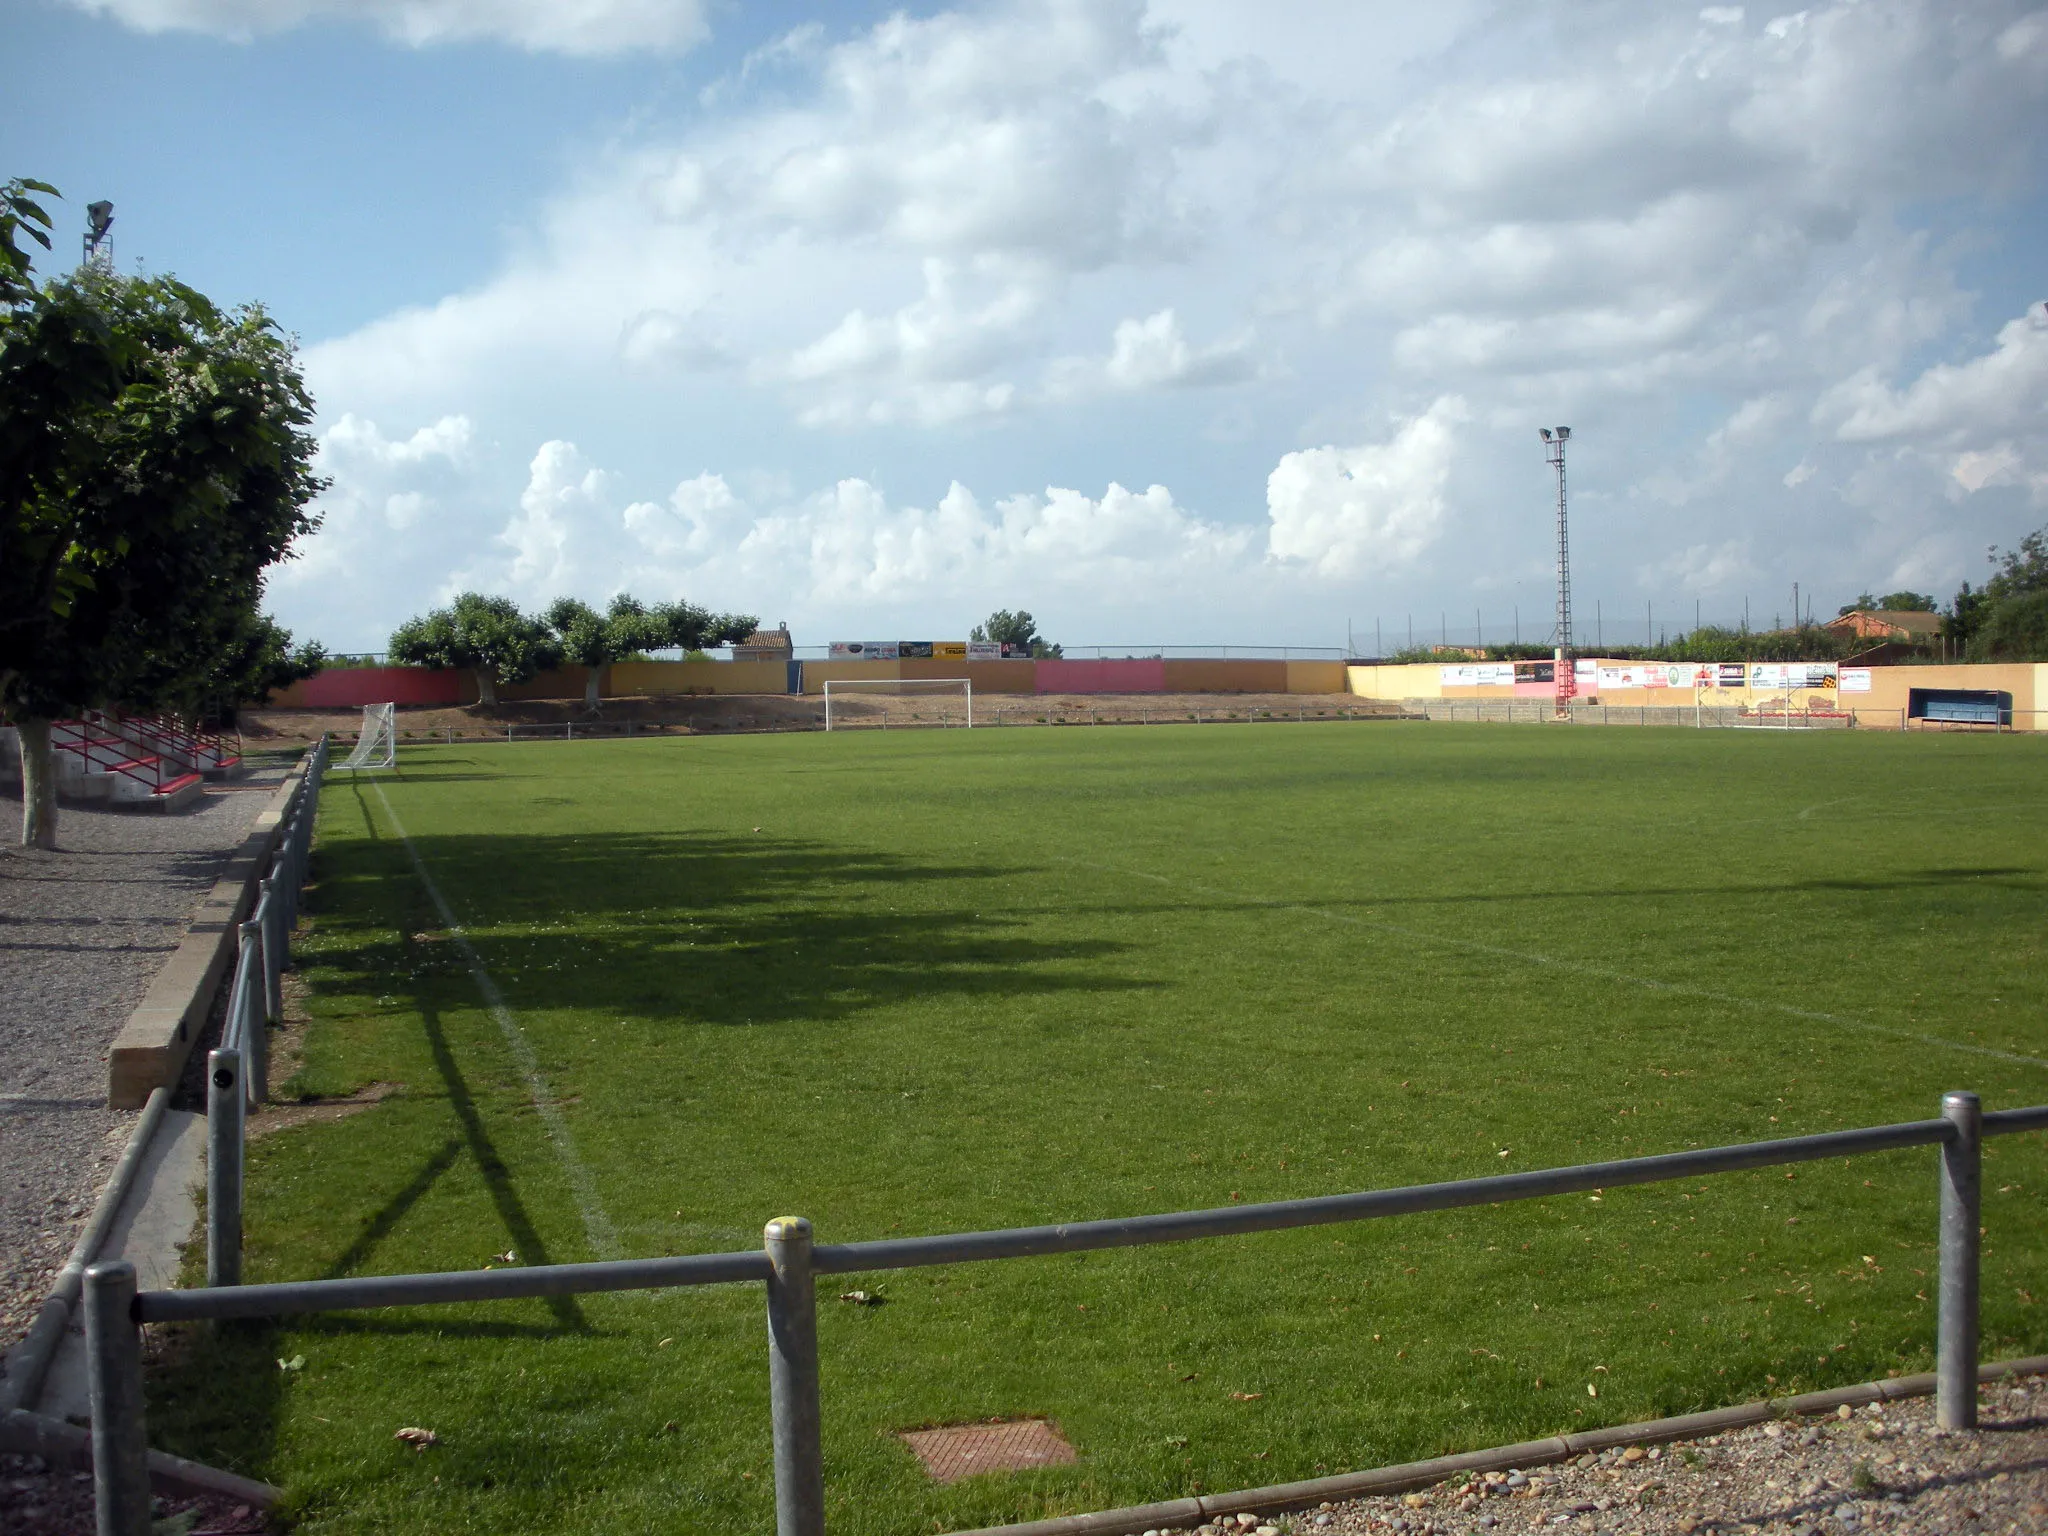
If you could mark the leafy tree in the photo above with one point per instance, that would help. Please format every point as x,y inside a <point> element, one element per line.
<point>685,626</point>
<point>261,660</point>
<point>596,640</point>
<point>1017,629</point>
<point>488,636</point>
<point>1894,602</point>
<point>2014,630</point>
<point>2008,619</point>
<point>154,459</point>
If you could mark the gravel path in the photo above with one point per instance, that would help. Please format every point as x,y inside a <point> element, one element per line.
<point>1881,1469</point>
<point>83,930</point>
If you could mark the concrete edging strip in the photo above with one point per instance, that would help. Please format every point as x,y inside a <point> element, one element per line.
<point>30,1434</point>
<point>1408,1476</point>
<point>151,1048</point>
<point>29,1363</point>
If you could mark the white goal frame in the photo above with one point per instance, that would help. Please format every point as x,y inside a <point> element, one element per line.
<point>900,685</point>
<point>377,745</point>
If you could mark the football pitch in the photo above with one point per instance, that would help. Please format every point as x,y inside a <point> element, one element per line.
<point>922,982</point>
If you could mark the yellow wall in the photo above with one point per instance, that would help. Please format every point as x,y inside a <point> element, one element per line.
<point>1016,676</point>
<point>1315,677</point>
<point>556,683</point>
<point>819,673</point>
<point>2027,682</point>
<point>1223,676</point>
<point>630,678</point>
<point>1413,681</point>
<point>1890,687</point>
<point>935,666</point>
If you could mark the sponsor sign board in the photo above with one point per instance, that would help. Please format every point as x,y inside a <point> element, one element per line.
<point>1631,675</point>
<point>952,648</point>
<point>1791,674</point>
<point>909,649</point>
<point>1482,674</point>
<point>863,650</point>
<point>1535,671</point>
<point>986,650</point>
<point>1731,674</point>
<point>1855,680</point>
<point>1585,672</point>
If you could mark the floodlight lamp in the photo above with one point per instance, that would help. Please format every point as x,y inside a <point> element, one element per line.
<point>1546,433</point>
<point>1563,433</point>
<point>99,218</point>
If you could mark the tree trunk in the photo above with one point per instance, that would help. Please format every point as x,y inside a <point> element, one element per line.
<point>487,687</point>
<point>590,689</point>
<point>38,786</point>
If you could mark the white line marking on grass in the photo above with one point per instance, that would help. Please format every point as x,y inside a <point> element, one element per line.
<point>597,1226</point>
<point>1527,957</point>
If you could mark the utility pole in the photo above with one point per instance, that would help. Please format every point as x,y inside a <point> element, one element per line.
<point>1553,454</point>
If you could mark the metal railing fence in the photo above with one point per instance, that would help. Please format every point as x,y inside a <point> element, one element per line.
<point>789,1262</point>
<point>238,1070</point>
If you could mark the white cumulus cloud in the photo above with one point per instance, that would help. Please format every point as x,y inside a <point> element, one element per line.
<point>1349,511</point>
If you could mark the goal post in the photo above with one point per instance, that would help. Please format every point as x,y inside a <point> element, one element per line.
<point>942,701</point>
<point>377,745</point>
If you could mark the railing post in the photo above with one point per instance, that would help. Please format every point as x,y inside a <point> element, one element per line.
<point>793,1379</point>
<point>255,1037</point>
<point>113,1363</point>
<point>224,1106</point>
<point>1955,1353</point>
<point>270,913</point>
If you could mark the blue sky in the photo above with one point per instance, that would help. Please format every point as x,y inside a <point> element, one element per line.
<point>1173,322</point>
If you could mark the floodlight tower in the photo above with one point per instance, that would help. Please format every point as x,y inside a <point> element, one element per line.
<point>99,248</point>
<point>1553,452</point>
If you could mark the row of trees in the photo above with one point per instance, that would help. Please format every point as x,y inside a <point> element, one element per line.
<point>490,637</point>
<point>155,459</point>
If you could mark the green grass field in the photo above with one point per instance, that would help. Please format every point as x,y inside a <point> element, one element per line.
<point>923,982</point>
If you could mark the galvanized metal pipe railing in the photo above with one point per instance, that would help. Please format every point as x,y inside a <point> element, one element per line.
<point>255,1002</point>
<point>789,1263</point>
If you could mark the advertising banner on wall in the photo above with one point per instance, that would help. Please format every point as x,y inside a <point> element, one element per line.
<point>863,650</point>
<point>914,649</point>
<point>1585,673</point>
<point>1731,674</point>
<point>952,648</point>
<point>1480,674</point>
<point>1630,676</point>
<point>985,650</point>
<point>1535,671</point>
<point>1855,679</point>
<point>1791,674</point>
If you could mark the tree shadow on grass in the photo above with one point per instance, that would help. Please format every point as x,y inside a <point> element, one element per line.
<point>690,928</point>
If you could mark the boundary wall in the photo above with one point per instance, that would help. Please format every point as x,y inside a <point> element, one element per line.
<point>1885,700</point>
<point>1884,703</point>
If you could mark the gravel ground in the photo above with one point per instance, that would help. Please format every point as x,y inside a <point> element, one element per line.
<point>1881,1469</point>
<point>1884,1470</point>
<point>83,930</point>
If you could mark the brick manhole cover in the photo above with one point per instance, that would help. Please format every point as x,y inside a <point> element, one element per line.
<point>962,1450</point>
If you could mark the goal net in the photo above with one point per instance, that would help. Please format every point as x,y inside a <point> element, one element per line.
<point>881,702</point>
<point>377,746</point>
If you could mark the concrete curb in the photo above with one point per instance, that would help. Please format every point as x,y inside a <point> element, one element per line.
<point>66,1445</point>
<point>29,1363</point>
<point>1409,1476</point>
<point>151,1048</point>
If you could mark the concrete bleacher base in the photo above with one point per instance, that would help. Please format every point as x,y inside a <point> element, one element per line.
<point>151,1049</point>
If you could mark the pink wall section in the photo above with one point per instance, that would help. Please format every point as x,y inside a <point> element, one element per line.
<point>1101,677</point>
<point>353,687</point>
